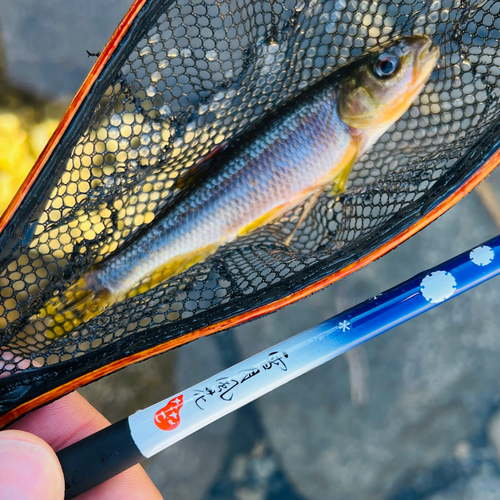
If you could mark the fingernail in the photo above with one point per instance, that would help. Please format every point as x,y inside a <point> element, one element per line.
<point>28,471</point>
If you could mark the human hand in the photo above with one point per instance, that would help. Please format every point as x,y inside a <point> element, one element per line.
<point>29,469</point>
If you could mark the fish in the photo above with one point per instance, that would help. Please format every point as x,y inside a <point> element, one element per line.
<point>308,144</point>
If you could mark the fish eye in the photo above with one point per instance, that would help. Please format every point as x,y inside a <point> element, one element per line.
<point>386,65</point>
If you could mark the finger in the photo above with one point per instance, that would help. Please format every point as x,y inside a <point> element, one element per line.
<point>29,469</point>
<point>63,422</point>
<point>72,418</point>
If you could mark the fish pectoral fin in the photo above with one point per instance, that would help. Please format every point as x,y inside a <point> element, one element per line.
<point>172,268</point>
<point>308,205</point>
<point>338,186</point>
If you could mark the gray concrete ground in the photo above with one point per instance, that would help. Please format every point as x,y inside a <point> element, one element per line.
<point>411,415</point>
<point>46,42</point>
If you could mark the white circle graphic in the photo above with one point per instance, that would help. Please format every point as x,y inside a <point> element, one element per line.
<point>482,256</point>
<point>438,286</point>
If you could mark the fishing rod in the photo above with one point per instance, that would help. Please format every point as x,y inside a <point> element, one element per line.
<point>118,447</point>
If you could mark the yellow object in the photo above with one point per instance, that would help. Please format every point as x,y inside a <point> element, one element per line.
<point>19,148</point>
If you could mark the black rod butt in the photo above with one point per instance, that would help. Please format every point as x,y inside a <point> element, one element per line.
<point>97,458</point>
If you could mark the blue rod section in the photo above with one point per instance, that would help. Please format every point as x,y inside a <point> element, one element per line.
<point>167,422</point>
<point>415,296</point>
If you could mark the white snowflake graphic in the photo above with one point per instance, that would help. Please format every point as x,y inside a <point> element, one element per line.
<point>482,256</point>
<point>344,325</point>
<point>438,286</point>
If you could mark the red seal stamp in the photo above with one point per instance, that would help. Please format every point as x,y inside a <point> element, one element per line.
<point>168,418</point>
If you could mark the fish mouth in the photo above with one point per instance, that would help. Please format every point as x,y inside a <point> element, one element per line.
<point>426,57</point>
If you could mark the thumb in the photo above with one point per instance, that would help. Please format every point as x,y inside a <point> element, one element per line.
<point>29,469</point>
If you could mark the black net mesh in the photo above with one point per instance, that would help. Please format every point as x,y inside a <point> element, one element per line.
<point>188,77</point>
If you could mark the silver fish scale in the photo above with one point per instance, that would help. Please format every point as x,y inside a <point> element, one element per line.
<point>290,155</point>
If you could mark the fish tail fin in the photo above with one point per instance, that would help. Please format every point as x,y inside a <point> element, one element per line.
<point>71,308</point>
